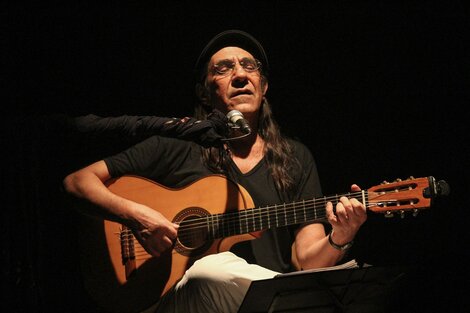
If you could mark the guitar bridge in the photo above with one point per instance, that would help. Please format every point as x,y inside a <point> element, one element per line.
<point>127,250</point>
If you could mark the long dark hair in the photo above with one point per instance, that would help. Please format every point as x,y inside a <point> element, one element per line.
<point>278,150</point>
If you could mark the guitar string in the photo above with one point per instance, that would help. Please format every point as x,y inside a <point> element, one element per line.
<point>226,227</point>
<point>266,211</point>
<point>201,223</point>
<point>140,253</point>
<point>250,214</point>
<point>189,230</point>
<point>186,231</point>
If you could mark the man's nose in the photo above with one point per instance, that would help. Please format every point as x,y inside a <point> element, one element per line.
<point>238,70</point>
<point>239,75</point>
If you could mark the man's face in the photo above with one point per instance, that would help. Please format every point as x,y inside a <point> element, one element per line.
<point>235,81</point>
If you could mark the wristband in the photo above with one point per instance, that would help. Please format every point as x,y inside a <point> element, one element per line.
<point>344,247</point>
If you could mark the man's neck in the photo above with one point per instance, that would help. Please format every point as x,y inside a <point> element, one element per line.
<point>247,152</point>
<point>247,146</point>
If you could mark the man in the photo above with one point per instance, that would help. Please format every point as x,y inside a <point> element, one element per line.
<point>233,75</point>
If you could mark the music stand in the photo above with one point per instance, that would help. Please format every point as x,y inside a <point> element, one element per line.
<point>363,289</point>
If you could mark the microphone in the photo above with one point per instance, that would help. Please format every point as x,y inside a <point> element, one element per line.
<point>236,117</point>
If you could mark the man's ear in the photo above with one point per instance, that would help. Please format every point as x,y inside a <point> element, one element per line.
<point>265,87</point>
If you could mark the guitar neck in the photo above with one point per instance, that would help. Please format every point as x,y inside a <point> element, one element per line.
<point>262,218</point>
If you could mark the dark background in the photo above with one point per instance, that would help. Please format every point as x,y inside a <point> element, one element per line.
<point>377,90</point>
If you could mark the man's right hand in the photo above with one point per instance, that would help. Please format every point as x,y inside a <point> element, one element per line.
<point>154,232</point>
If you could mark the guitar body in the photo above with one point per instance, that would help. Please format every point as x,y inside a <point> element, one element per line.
<point>121,283</point>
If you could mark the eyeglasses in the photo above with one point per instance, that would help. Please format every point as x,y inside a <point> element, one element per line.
<point>225,67</point>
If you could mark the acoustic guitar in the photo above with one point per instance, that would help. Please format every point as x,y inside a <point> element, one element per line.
<point>213,214</point>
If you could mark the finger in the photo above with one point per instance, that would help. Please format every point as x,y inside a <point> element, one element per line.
<point>346,204</point>
<point>153,251</point>
<point>330,214</point>
<point>144,234</point>
<point>166,243</point>
<point>157,246</point>
<point>355,187</point>
<point>341,211</point>
<point>171,232</point>
<point>348,207</point>
<point>357,205</point>
<point>355,208</point>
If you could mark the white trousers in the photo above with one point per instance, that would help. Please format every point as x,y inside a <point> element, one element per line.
<point>216,283</point>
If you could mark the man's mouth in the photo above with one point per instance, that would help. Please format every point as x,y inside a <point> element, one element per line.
<point>241,93</point>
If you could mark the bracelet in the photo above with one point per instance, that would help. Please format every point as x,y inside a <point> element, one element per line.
<point>344,247</point>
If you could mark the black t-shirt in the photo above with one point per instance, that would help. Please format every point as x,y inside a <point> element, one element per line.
<point>176,163</point>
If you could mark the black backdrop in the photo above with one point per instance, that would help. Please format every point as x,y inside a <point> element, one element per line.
<point>377,90</point>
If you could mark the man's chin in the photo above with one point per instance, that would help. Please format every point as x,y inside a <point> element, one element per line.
<point>240,104</point>
<point>244,107</point>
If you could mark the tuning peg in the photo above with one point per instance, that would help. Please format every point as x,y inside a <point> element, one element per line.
<point>388,214</point>
<point>402,213</point>
<point>411,177</point>
<point>398,180</point>
<point>415,212</point>
<point>385,182</point>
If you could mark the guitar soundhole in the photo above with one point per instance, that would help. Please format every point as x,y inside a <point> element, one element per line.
<point>193,235</point>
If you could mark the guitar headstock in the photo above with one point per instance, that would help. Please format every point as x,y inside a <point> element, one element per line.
<point>400,196</point>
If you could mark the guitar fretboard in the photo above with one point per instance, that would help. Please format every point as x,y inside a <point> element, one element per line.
<point>257,219</point>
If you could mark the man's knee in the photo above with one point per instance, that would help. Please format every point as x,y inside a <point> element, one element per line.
<point>209,286</point>
<point>215,283</point>
<point>214,268</point>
